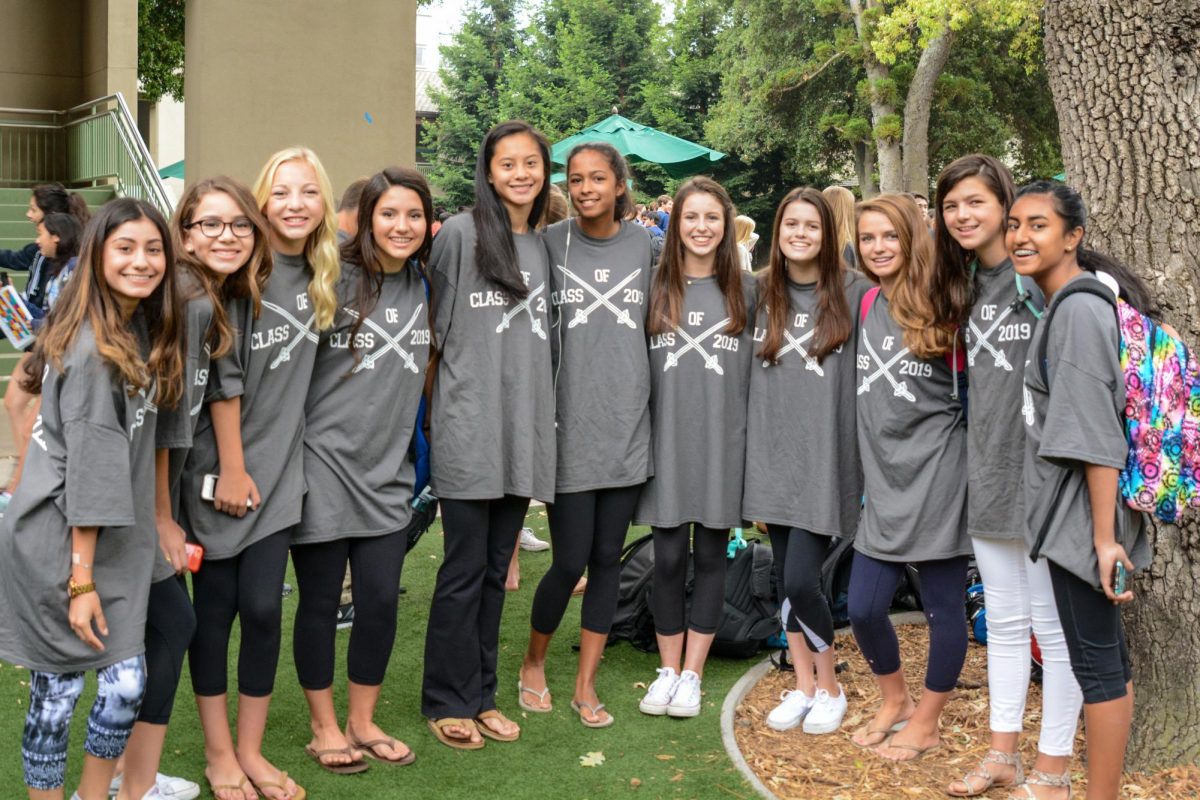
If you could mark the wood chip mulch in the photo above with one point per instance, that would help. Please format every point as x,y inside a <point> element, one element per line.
<point>796,766</point>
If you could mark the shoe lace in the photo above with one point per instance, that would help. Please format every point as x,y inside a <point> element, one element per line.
<point>822,697</point>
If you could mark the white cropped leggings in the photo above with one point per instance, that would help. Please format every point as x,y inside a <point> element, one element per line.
<point>1019,596</point>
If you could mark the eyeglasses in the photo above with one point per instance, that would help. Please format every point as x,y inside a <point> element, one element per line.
<point>213,227</point>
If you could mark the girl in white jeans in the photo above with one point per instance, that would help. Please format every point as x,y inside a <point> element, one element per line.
<point>974,195</point>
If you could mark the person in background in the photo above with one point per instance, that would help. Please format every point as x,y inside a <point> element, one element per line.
<point>663,212</point>
<point>841,200</point>
<point>743,228</point>
<point>347,210</point>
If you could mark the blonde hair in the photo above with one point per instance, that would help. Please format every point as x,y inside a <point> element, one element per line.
<point>912,300</point>
<point>743,228</point>
<point>841,200</point>
<point>321,249</point>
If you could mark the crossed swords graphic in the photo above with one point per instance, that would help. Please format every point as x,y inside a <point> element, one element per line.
<point>982,342</point>
<point>900,387</point>
<point>710,362</point>
<point>303,331</point>
<point>582,314</point>
<point>535,324</point>
<point>390,343</point>
<point>797,345</point>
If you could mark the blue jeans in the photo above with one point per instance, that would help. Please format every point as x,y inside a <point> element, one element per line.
<point>52,699</point>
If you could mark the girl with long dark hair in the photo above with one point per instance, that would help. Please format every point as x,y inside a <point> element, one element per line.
<point>492,433</point>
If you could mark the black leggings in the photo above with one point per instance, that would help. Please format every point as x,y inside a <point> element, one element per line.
<point>798,557</point>
<point>588,530</point>
<point>247,586</point>
<point>670,578</point>
<point>463,635</point>
<point>1095,637</point>
<point>873,584</point>
<point>170,623</point>
<point>375,564</point>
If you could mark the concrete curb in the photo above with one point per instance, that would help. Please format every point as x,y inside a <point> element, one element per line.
<point>748,682</point>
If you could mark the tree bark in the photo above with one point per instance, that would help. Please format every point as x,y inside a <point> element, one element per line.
<point>864,166</point>
<point>916,112</point>
<point>1126,81</point>
<point>883,111</point>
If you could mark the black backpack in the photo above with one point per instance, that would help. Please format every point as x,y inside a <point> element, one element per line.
<point>634,621</point>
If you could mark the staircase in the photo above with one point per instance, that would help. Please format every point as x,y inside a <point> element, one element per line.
<point>15,233</point>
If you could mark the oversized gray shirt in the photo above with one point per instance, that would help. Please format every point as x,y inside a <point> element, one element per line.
<point>802,465</point>
<point>360,414</point>
<point>997,338</point>
<point>913,441</point>
<point>269,368</point>
<point>700,377</point>
<point>1078,419</point>
<point>492,422</point>
<point>90,463</point>
<point>600,297</point>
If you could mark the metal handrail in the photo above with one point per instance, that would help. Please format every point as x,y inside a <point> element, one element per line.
<point>100,145</point>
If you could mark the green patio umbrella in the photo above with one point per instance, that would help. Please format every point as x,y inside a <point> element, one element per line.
<point>679,157</point>
<point>172,171</point>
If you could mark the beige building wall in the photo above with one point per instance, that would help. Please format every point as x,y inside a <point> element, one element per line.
<point>334,76</point>
<point>55,54</point>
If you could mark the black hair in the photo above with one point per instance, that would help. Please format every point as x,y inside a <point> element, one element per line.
<point>620,170</point>
<point>69,232</point>
<point>362,251</point>
<point>352,196</point>
<point>53,198</point>
<point>495,249</point>
<point>1069,205</point>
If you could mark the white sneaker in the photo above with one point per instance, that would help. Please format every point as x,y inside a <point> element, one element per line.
<point>532,543</point>
<point>826,714</point>
<point>165,786</point>
<point>685,701</point>
<point>658,696</point>
<point>793,708</point>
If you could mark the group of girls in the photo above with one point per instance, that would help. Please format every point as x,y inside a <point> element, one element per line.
<point>564,365</point>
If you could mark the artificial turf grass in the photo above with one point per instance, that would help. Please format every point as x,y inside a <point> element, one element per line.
<point>647,756</point>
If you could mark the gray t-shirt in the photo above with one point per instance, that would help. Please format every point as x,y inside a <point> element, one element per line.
<point>699,380</point>
<point>1077,420</point>
<point>360,416</point>
<point>600,296</point>
<point>997,339</point>
<point>913,441</point>
<point>90,463</point>
<point>492,422</point>
<point>802,465</point>
<point>176,425</point>
<point>269,368</point>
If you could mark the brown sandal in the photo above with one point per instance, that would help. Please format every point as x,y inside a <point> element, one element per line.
<point>348,768</point>
<point>438,726</point>
<point>982,773</point>
<point>215,789</point>
<point>481,721</point>
<point>368,748</point>
<point>279,783</point>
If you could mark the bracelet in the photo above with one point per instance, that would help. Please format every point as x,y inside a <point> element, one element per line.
<point>76,589</point>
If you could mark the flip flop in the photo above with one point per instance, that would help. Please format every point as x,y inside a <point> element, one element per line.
<point>368,749</point>
<point>595,712</point>
<point>349,768</point>
<point>886,732</point>
<point>438,727</point>
<point>279,783</point>
<point>917,752</point>
<point>522,689</point>
<point>215,788</point>
<point>491,734</point>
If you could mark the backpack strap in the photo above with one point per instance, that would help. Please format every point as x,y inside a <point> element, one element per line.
<point>1079,287</point>
<point>868,300</point>
<point>1025,296</point>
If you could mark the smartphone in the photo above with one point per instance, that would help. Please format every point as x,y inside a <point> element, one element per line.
<point>195,555</point>
<point>208,489</point>
<point>1119,575</point>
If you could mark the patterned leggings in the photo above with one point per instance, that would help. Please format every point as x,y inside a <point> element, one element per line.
<point>52,699</point>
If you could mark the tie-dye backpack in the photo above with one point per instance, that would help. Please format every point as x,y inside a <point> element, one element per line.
<point>1162,409</point>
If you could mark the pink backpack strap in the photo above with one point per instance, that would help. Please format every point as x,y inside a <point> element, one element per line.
<point>868,300</point>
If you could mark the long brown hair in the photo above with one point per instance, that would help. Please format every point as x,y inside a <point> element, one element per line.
<point>87,298</point>
<point>666,293</point>
<point>913,298</point>
<point>833,325</point>
<point>952,278</point>
<point>248,281</point>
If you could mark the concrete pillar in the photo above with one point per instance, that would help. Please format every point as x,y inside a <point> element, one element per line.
<point>110,50</point>
<point>334,75</point>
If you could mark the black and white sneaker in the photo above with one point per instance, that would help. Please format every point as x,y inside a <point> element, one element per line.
<point>345,616</point>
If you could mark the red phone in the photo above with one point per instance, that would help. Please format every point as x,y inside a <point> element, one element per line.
<point>195,555</point>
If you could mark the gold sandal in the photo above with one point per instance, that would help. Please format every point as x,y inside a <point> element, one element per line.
<point>981,772</point>
<point>1038,778</point>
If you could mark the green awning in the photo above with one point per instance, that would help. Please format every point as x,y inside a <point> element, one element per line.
<point>679,157</point>
<point>172,171</point>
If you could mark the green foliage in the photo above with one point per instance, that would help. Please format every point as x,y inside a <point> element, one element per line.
<point>160,49</point>
<point>890,126</point>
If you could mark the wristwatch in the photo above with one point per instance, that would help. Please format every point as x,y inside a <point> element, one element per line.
<point>75,589</point>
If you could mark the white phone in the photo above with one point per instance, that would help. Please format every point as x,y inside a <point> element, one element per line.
<point>208,490</point>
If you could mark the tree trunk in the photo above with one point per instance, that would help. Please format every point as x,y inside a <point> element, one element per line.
<point>1126,81</point>
<point>916,112</point>
<point>864,167</point>
<point>883,112</point>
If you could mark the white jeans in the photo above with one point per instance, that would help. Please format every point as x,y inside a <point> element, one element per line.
<point>1018,596</point>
